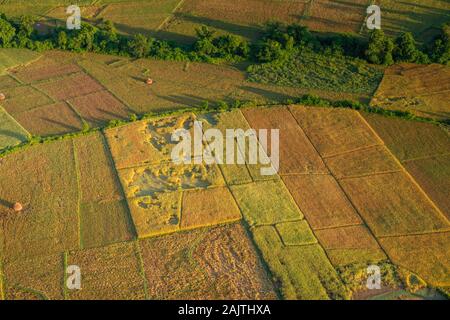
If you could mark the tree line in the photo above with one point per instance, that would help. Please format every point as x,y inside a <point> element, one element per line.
<point>277,41</point>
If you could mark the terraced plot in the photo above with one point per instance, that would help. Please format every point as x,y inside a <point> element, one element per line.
<point>10,58</point>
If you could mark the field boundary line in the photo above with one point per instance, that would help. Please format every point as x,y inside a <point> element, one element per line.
<point>341,188</point>
<point>374,174</point>
<point>411,178</point>
<point>412,234</point>
<point>79,194</point>
<point>294,174</point>
<point>300,209</point>
<point>342,226</point>
<point>171,14</point>
<point>55,78</point>
<point>138,253</point>
<point>426,157</point>
<point>15,121</point>
<point>364,148</point>
<point>44,93</point>
<point>64,279</point>
<point>106,88</point>
<point>2,282</point>
<point>72,107</point>
<point>132,226</point>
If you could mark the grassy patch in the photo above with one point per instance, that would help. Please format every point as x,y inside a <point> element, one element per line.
<point>265,202</point>
<point>296,233</point>
<point>14,57</point>
<point>306,69</point>
<point>11,133</point>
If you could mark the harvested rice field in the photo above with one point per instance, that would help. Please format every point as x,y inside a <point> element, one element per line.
<point>143,158</point>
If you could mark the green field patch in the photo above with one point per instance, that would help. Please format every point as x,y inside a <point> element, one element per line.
<point>214,263</point>
<point>45,183</point>
<point>14,57</point>
<point>296,233</point>
<point>302,272</point>
<point>266,202</point>
<point>11,133</point>
<point>306,69</point>
<point>108,273</point>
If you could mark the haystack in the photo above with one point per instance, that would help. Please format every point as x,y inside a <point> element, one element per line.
<point>17,207</point>
<point>2,97</point>
<point>149,81</point>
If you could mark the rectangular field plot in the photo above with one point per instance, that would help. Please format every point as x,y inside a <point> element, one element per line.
<point>154,193</point>
<point>414,16</point>
<point>321,200</point>
<point>433,175</point>
<point>208,207</point>
<point>69,87</point>
<point>52,119</point>
<point>39,278</point>
<point>243,18</point>
<point>266,202</point>
<point>104,215</point>
<point>217,263</point>
<point>45,183</point>
<point>44,69</point>
<point>348,245</point>
<point>391,204</point>
<point>426,255</point>
<point>415,88</point>
<point>336,16</point>
<point>296,233</point>
<point>23,98</point>
<point>334,131</point>
<point>146,141</point>
<point>99,107</point>
<point>10,58</point>
<point>11,133</point>
<point>156,214</point>
<point>297,154</point>
<point>108,273</point>
<point>410,139</point>
<point>368,161</point>
<point>301,272</point>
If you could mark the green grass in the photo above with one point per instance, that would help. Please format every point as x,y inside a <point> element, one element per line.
<point>11,132</point>
<point>266,202</point>
<point>296,233</point>
<point>306,69</point>
<point>14,57</point>
<point>301,272</point>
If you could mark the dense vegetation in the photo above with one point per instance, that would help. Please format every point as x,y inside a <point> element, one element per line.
<point>302,67</point>
<point>277,41</point>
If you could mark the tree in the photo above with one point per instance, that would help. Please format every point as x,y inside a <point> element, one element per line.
<point>405,48</point>
<point>139,46</point>
<point>62,40</point>
<point>7,33</point>
<point>379,49</point>
<point>204,33</point>
<point>269,50</point>
<point>439,50</point>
